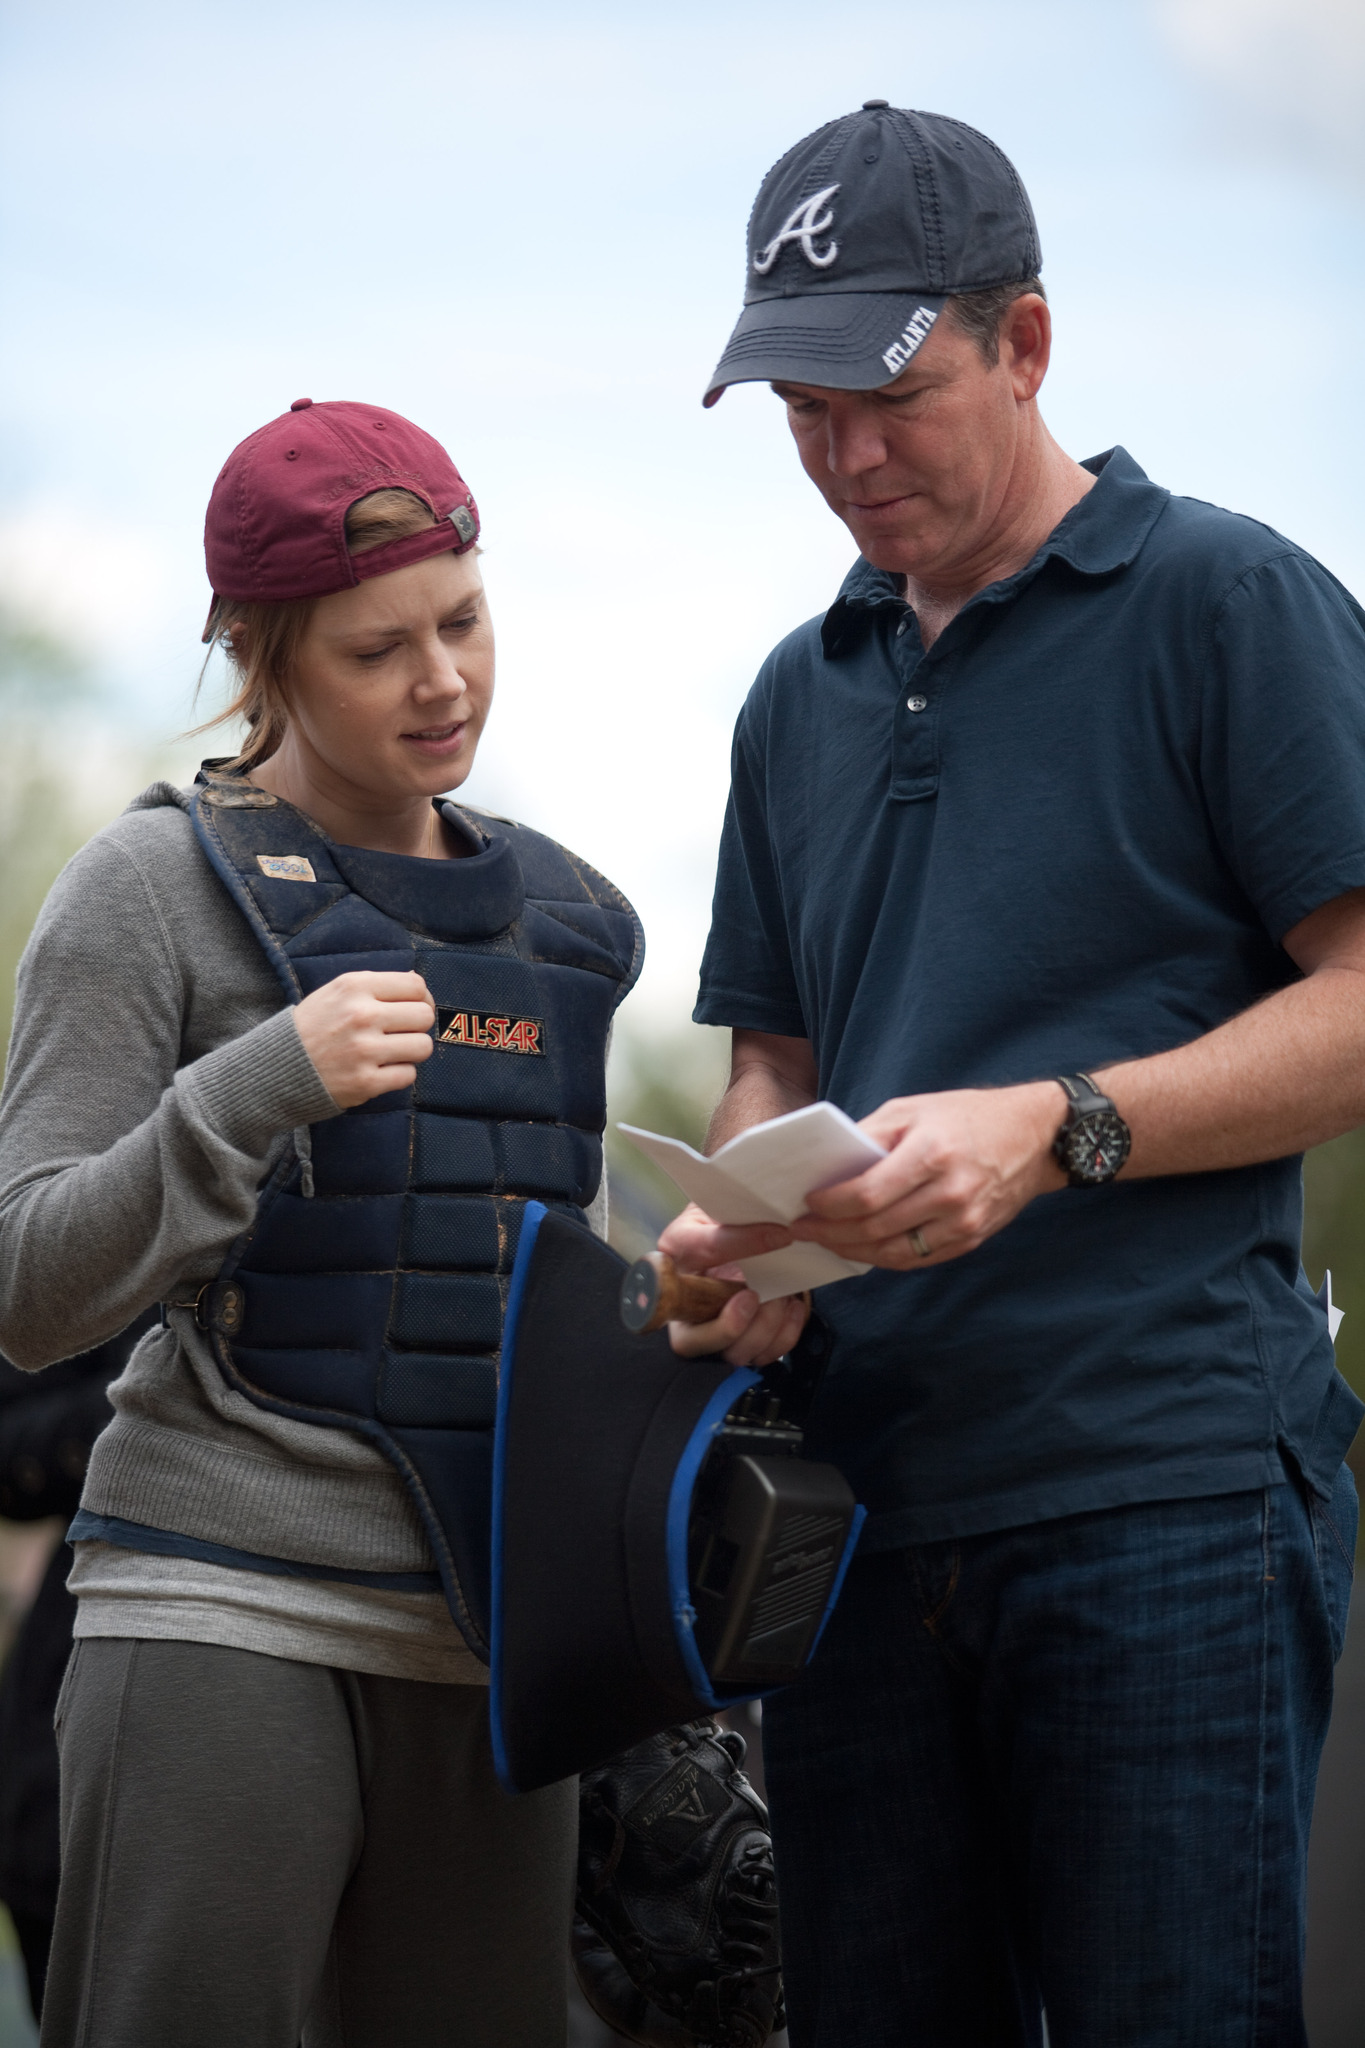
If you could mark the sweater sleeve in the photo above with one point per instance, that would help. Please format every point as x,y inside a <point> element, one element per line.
<point>125,1175</point>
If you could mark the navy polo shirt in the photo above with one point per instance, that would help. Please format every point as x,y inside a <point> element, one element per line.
<point>1075,831</point>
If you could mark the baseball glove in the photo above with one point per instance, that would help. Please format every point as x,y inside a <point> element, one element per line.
<point>675,1936</point>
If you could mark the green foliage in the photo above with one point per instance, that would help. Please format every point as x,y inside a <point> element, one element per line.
<point>35,666</point>
<point>667,1082</point>
<point>1334,1239</point>
<point>40,829</point>
<point>41,824</point>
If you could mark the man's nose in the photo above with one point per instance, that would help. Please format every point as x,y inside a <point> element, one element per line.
<point>854,441</point>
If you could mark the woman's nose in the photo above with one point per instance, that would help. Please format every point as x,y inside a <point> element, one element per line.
<point>440,676</point>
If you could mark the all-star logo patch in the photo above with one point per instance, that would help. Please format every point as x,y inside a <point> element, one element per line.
<point>286,867</point>
<point>491,1033</point>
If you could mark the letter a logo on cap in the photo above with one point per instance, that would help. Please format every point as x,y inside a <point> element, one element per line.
<point>802,226</point>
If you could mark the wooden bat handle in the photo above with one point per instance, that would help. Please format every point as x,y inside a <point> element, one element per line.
<point>654,1292</point>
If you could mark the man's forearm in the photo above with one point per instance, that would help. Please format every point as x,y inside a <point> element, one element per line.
<point>1283,1076</point>
<point>765,1081</point>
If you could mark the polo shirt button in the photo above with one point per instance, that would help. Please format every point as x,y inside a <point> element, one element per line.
<point>903,625</point>
<point>917,703</point>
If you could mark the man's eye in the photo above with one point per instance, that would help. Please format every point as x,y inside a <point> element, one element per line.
<point>461,625</point>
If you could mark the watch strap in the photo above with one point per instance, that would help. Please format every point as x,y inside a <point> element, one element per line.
<point>1083,1098</point>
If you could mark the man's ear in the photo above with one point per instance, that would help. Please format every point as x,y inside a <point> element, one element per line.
<point>1026,343</point>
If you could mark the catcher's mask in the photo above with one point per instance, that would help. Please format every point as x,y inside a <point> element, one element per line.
<point>659,1546</point>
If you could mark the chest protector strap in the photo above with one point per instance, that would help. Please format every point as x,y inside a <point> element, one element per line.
<point>370,1290</point>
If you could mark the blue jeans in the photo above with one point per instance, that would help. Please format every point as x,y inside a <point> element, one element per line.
<point>1068,1766</point>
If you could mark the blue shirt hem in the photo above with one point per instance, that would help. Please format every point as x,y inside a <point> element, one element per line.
<point>91,1528</point>
<point>1053,1499</point>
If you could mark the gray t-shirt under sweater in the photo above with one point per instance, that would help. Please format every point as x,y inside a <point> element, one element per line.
<point>153,1080</point>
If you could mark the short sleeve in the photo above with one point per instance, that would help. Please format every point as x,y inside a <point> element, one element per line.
<point>747,978</point>
<point>1283,740</point>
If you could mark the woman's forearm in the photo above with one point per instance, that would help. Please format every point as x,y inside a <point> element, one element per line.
<point>123,1173</point>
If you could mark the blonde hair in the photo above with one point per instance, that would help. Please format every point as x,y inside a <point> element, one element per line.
<point>261,639</point>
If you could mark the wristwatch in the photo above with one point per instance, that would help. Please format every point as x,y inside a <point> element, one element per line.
<point>1094,1141</point>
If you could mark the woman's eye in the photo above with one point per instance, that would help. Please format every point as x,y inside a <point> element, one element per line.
<point>375,654</point>
<point>461,625</point>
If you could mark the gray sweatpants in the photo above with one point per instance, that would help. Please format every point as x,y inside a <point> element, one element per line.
<point>257,1853</point>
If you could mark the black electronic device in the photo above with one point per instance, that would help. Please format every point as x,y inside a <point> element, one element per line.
<point>766,1538</point>
<point>654,1526</point>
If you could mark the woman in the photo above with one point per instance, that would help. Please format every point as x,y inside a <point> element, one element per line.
<point>291,1050</point>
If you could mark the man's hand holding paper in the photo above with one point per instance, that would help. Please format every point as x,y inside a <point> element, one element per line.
<point>959,1166</point>
<point>745,1198</point>
<point>944,1172</point>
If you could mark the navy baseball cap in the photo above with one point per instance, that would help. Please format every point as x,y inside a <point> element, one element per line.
<point>859,236</point>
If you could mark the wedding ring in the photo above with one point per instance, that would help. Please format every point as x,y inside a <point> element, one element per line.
<point>917,1239</point>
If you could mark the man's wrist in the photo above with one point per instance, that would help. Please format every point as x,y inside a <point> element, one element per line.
<point>1048,1113</point>
<point>1094,1141</point>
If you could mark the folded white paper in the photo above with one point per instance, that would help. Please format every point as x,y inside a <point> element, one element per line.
<point>764,1176</point>
<point>1335,1316</point>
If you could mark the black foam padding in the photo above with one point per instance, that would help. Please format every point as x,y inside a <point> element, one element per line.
<point>456,1473</point>
<point>596,1422</point>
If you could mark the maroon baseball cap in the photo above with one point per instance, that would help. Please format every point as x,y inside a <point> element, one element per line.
<point>276,523</point>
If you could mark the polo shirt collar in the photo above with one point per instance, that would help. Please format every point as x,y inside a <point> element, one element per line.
<point>1104,532</point>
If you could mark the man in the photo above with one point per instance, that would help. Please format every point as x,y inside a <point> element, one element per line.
<point>1045,856</point>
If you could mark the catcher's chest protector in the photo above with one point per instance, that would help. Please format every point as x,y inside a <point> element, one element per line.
<point>369,1292</point>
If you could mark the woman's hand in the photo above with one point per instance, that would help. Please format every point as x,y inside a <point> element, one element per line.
<point>367,1033</point>
<point>747,1331</point>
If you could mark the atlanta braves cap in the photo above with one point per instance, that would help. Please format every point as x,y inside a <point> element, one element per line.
<point>859,236</point>
<point>276,523</point>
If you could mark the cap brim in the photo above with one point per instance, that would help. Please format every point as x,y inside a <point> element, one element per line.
<point>851,341</point>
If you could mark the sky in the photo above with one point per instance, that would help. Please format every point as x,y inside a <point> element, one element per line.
<point>526,231</point>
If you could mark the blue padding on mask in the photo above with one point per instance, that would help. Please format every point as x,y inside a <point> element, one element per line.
<point>679,1515</point>
<point>531,1222</point>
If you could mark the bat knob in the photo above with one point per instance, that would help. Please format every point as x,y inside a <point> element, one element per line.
<point>640,1296</point>
<point>654,1292</point>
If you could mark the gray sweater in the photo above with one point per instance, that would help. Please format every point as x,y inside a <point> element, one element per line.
<point>153,1079</point>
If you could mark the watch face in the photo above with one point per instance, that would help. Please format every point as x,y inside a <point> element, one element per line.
<point>1097,1145</point>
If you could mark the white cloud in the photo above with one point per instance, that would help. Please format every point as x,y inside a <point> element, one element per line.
<point>92,586</point>
<point>1291,73</point>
